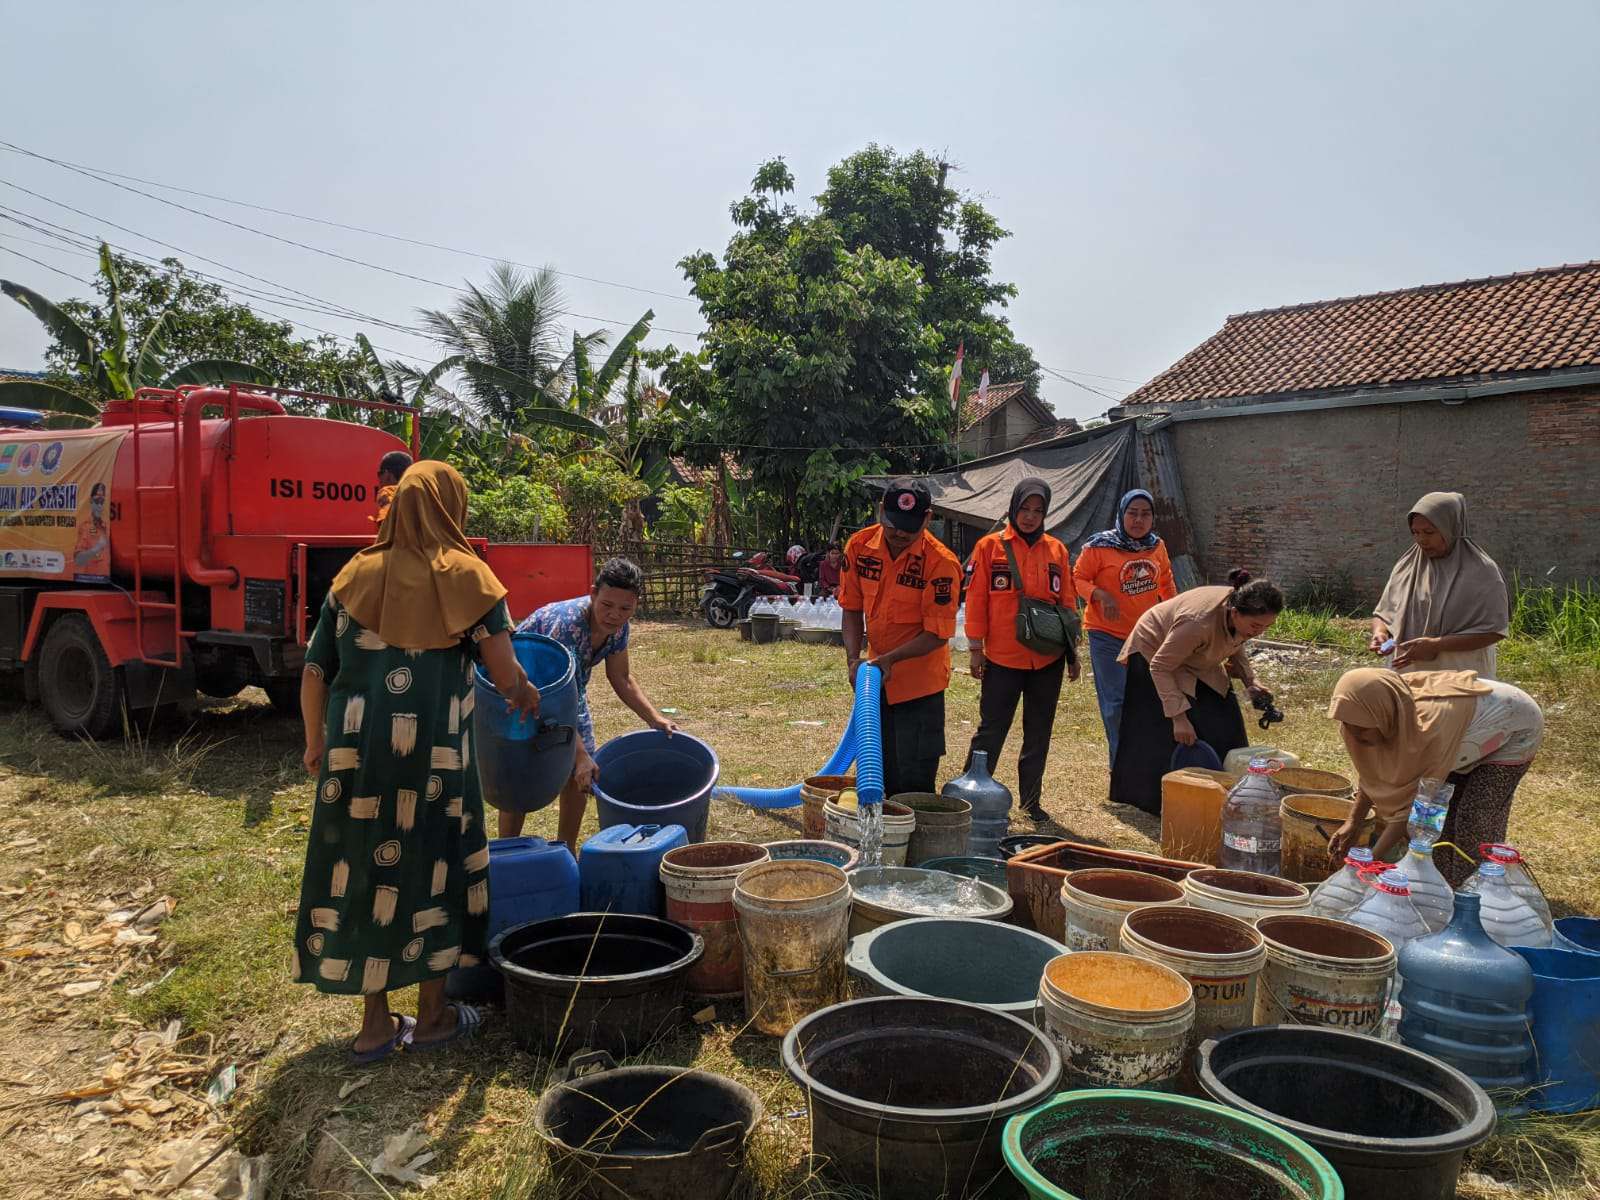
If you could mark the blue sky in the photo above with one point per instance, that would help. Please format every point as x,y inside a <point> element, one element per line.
<point>1160,165</point>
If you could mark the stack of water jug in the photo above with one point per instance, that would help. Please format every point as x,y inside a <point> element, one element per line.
<point>1463,992</point>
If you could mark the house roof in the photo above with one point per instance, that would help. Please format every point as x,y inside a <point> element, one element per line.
<point>694,476</point>
<point>1001,394</point>
<point>1543,320</point>
<point>1061,428</point>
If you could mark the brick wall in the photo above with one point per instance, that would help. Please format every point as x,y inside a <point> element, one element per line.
<point>1322,495</point>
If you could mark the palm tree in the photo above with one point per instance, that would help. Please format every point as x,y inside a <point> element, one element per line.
<point>114,371</point>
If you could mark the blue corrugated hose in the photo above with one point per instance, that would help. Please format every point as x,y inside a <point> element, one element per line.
<point>869,736</point>
<point>847,752</point>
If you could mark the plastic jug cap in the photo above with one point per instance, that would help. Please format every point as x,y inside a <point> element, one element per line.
<point>1359,854</point>
<point>1500,852</point>
<point>1395,883</point>
<point>1265,766</point>
<point>1492,870</point>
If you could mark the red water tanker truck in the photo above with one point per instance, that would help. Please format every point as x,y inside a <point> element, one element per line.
<point>186,543</point>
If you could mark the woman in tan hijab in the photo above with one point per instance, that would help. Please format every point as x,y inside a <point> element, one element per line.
<point>1445,605</point>
<point>1479,734</point>
<point>395,890</point>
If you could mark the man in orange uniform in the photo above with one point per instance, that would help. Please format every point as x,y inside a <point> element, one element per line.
<point>900,586</point>
<point>1010,671</point>
<point>390,467</point>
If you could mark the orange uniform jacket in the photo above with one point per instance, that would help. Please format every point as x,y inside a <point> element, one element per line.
<point>1046,570</point>
<point>1139,579</point>
<point>901,598</point>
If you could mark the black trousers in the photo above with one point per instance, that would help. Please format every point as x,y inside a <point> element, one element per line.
<point>1145,744</point>
<point>913,744</point>
<point>1039,691</point>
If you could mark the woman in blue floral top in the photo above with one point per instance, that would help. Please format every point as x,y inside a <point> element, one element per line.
<point>595,628</point>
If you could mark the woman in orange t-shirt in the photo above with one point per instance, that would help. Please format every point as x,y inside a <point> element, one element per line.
<point>1008,670</point>
<point>1122,572</point>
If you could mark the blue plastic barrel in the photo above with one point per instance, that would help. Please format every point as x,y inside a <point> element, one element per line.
<point>651,778</point>
<point>619,870</point>
<point>522,764</point>
<point>1566,1029</point>
<point>1581,934</point>
<point>530,879</point>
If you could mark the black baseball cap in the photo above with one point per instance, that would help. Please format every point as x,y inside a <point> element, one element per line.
<point>905,504</point>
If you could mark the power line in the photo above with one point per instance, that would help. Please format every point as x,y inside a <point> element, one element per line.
<point>359,262</point>
<point>99,172</point>
<point>45,265</point>
<point>1091,375</point>
<point>1078,384</point>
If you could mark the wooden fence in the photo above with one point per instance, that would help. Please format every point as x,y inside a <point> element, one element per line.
<point>674,572</point>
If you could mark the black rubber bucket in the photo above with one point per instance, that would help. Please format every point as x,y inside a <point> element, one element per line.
<point>1393,1122</point>
<point>607,981</point>
<point>648,1133</point>
<point>909,1097</point>
<point>1014,844</point>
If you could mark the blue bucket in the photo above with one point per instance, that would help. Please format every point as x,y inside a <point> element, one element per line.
<point>1566,1029</point>
<point>651,778</point>
<point>522,764</point>
<point>1579,934</point>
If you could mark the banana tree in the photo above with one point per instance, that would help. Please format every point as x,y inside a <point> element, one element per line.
<point>591,389</point>
<point>114,371</point>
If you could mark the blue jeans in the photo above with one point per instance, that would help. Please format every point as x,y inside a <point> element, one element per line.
<point>1110,679</point>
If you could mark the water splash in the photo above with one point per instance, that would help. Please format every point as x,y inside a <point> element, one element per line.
<point>938,894</point>
<point>870,820</point>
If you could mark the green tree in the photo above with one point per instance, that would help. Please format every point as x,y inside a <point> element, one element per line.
<point>902,206</point>
<point>810,365</point>
<point>148,328</point>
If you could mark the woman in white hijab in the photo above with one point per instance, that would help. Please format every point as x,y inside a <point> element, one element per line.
<point>1445,605</point>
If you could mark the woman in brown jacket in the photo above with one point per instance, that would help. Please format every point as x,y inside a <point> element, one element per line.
<point>1180,656</point>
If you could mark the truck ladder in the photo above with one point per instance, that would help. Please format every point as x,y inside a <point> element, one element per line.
<point>145,609</point>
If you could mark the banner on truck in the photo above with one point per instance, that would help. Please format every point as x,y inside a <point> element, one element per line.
<point>55,505</point>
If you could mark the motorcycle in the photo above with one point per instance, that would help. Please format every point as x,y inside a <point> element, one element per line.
<point>730,591</point>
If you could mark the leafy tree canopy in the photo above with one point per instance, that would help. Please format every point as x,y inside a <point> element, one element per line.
<point>202,323</point>
<point>810,365</point>
<point>902,206</point>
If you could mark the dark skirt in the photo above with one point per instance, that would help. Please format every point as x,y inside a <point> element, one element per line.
<point>1145,743</point>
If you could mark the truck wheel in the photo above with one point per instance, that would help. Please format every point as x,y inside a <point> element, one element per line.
<point>284,694</point>
<point>78,686</point>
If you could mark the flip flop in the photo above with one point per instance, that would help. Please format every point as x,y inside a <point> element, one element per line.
<point>468,1021</point>
<point>405,1026</point>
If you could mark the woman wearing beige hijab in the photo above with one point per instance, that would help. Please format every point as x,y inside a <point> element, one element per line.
<point>1445,605</point>
<point>395,890</point>
<point>1479,734</point>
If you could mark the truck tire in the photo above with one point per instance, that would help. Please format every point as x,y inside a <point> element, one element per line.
<point>284,694</point>
<point>79,688</point>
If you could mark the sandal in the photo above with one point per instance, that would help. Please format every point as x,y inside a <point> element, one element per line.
<point>468,1021</point>
<point>404,1027</point>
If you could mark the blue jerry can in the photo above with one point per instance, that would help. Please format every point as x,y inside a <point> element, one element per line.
<point>620,868</point>
<point>530,879</point>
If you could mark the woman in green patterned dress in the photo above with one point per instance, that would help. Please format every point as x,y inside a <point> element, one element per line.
<point>396,889</point>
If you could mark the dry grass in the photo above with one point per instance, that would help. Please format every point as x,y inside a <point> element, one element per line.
<point>218,818</point>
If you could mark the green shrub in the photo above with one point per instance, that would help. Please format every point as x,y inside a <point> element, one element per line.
<point>517,510</point>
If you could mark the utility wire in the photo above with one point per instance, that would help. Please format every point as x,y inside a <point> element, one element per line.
<point>99,172</point>
<point>45,265</point>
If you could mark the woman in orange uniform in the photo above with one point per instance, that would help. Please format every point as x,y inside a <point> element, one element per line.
<point>1122,572</point>
<point>1022,553</point>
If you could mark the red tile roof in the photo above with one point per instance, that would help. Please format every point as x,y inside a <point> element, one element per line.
<point>1507,325</point>
<point>694,476</point>
<point>1062,427</point>
<point>972,411</point>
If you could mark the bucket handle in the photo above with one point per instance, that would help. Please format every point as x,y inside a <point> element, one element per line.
<point>551,735</point>
<point>588,1063</point>
<point>719,1138</point>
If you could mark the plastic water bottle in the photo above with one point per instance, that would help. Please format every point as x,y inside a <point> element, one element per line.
<point>1388,910</point>
<point>959,642</point>
<point>1522,883</point>
<point>1431,894</point>
<point>1252,822</point>
<point>1428,809</point>
<point>1337,896</point>
<point>1507,917</point>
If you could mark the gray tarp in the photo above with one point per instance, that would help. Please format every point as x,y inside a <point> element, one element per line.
<point>1087,474</point>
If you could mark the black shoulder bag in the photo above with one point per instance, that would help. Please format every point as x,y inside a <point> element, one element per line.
<point>1043,627</point>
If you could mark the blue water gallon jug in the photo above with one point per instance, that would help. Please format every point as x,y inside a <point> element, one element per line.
<point>652,778</point>
<point>1566,1029</point>
<point>991,805</point>
<point>620,868</point>
<point>523,763</point>
<point>1465,1000</point>
<point>529,879</point>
